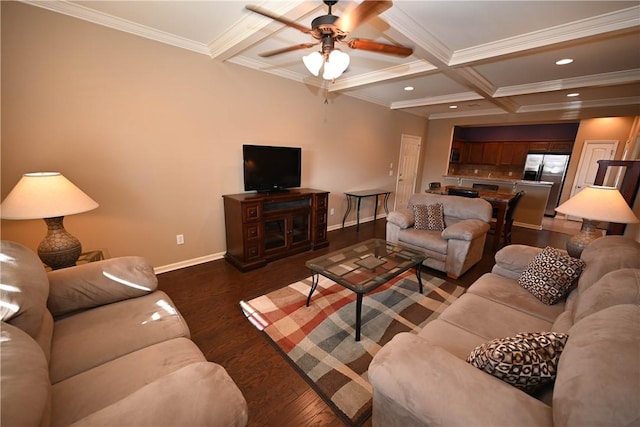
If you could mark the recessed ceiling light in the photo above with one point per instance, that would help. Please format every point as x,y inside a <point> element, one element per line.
<point>571,95</point>
<point>564,61</point>
<point>453,106</point>
<point>408,88</point>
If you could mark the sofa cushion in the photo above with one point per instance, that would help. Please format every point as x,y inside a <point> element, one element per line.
<point>424,239</point>
<point>490,319</point>
<point>607,254</point>
<point>85,340</point>
<point>550,274</point>
<point>526,361</point>
<point>99,283</point>
<point>97,388</point>
<point>614,288</point>
<point>598,380</point>
<point>429,217</point>
<point>455,207</point>
<point>25,380</point>
<point>507,292</point>
<point>25,290</point>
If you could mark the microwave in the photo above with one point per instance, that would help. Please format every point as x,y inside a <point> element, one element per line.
<point>454,157</point>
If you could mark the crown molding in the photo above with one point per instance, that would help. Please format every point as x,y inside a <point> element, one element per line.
<point>604,79</point>
<point>474,113</point>
<point>81,12</point>
<point>614,21</point>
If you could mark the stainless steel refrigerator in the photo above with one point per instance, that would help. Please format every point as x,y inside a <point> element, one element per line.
<point>551,168</point>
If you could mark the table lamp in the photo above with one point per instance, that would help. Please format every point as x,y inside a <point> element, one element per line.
<point>595,204</point>
<point>49,195</point>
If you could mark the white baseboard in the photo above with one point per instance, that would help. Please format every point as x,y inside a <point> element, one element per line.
<point>188,263</point>
<point>220,255</point>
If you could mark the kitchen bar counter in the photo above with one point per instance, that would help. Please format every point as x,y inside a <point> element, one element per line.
<point>530,211</point>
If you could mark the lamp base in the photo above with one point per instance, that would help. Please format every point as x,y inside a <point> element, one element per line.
<point>588,233</point>
<point>59,249</point>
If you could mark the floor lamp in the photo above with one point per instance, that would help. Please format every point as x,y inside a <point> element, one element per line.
<point>50,196</point>
<point>595,204</point>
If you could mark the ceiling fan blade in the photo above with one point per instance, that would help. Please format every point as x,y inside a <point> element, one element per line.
<point>391,49</point>
<point>278,18</point>
<point>361,13</point>
<point>287,49</point>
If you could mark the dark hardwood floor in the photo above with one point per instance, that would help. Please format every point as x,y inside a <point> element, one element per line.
<point>208,294</point>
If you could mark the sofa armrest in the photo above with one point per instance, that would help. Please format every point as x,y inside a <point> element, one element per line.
<point>199,394</point>
<point>403,218</point>
<point>467,229</point>
<point>513,259</point>
<point>425,382</point>
<point>99,283</point>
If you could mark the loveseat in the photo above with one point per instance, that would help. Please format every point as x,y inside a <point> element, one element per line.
<point>453,250</point>
<point>426,380</point>
<point>99,345</point>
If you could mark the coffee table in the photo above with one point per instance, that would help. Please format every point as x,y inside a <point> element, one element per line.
<point>364,267</point>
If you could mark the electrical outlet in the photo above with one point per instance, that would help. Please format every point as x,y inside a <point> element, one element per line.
<point>180,239</point>
<point>510,173</point>
<point>390,173</point>
<point>331,211</point>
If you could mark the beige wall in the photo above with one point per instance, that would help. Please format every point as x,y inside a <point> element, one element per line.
<point>154,133</point>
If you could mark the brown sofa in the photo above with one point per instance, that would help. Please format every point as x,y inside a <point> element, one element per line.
<point>425,380</point>
<point>454,250</point>
<point>99,345</point>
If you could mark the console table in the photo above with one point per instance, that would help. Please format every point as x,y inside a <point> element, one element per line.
<point>361,194</point>
<point>261,227</point>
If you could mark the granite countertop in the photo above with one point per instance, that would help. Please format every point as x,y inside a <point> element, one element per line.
<point>498,180</point>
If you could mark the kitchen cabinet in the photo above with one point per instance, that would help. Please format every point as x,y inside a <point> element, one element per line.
<point>514,153</point>
<point>482,153</point>
<point>558,147</point>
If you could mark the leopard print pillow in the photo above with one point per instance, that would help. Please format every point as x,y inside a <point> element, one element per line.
<point>429,217</point>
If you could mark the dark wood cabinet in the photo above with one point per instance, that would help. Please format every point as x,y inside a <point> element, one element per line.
<point>482,153</point>
<point>558,147</point>
<point>261,227</point>
<point>514,153</point>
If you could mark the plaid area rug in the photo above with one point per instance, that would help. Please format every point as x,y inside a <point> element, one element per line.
<point>319,340</point>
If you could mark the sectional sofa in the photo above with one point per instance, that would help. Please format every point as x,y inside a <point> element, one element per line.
<point>428,379</point>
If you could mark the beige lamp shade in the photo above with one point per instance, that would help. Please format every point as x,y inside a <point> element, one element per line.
<point>599,203</point>
<point>45,195</point>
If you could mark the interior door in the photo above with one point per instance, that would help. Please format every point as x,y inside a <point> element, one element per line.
<point>407,169</point>
<point>592,151</point>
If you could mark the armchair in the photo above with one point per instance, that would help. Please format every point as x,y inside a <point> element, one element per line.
<point>455,249</point>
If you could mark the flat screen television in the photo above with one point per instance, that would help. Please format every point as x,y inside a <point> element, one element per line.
<point>268,168</point>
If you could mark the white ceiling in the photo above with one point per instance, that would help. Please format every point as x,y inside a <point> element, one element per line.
<point>485,57</point>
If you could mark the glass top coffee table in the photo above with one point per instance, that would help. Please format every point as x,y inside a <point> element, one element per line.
<point>364,267</point>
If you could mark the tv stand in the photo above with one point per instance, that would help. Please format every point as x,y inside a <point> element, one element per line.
<point>261,227</point>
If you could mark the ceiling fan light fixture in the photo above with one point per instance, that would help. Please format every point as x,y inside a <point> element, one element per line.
<point>335,64</point>
<point>313,62</point>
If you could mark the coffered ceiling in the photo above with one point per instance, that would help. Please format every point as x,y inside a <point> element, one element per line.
<point>471,58</point>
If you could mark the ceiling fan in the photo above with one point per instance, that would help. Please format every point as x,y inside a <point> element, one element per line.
<point>329,29</point>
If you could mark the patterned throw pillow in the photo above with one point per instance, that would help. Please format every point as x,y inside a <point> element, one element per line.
<point>550,274</point>
<point>525,361</point>
<point>429,217</point>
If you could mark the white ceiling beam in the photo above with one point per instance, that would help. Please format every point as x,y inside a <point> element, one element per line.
<point>597,25</point>
<point>390,73</point>
<point>436,100</point>
<point>248,30</point>
<point>604,79</point>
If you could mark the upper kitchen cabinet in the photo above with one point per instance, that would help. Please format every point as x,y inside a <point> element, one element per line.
<point>509,145</point>
<point>556,147</point>
<point>513,153</point>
